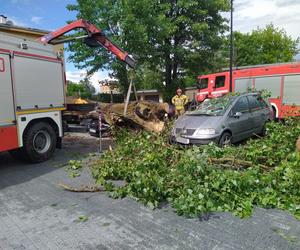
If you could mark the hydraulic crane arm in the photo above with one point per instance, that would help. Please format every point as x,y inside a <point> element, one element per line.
<point>94,37</point>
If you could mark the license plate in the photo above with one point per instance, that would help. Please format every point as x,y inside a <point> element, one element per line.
<point>92,130</point>
<point>183,140</point>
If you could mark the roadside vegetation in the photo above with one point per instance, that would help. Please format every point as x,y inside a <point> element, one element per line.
<point>261,172</point>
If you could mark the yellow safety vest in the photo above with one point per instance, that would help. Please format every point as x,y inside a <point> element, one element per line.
<point>180,101</point>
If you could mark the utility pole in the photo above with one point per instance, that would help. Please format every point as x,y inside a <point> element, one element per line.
<point>231,46</point>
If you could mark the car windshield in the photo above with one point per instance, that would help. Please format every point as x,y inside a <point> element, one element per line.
<point>213,107</point>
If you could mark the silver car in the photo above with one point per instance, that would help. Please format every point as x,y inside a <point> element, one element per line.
<point>223,120</point>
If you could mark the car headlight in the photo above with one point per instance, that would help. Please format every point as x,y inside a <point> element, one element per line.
<point>205,131</point>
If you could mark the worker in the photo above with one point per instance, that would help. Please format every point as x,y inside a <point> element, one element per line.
<point>179,100</point>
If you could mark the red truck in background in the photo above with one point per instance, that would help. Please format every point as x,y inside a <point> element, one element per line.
<point>281,80</point>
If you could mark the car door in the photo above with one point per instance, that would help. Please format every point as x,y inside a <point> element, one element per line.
<point>239,124</point>
<point>257,115</point>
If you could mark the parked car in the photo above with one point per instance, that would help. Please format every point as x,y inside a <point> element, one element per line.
<point>224,120</point>
<point>93,126</point>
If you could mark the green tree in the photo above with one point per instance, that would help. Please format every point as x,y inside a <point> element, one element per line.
<point>263,46</point>
<point>83,89</point>
<point>171,38</point>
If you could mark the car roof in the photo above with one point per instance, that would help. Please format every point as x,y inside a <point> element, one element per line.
<point>250,93</point>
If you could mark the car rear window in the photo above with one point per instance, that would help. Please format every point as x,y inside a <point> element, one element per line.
<point>256,102</point>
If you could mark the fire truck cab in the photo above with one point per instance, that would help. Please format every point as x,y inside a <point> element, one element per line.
<point>32,97</point>
<point>212,86</point>
<point>281,80</point>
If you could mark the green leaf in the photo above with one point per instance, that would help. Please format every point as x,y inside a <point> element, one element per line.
<point>82,218</point>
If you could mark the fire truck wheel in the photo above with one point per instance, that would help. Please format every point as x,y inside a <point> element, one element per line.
<point>39,142</point>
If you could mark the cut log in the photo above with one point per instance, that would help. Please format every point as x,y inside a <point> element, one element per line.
<point>150,116</point>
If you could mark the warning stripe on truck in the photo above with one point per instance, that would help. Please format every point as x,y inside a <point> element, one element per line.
<point>33,111</point>
<point>8,138</point>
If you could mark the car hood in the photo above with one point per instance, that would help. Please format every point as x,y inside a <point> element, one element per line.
<point>198,121</point>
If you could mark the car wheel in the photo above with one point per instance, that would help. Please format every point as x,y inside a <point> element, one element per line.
<point>171,140</point>
<point>263,131</point>
<point>225,140</point>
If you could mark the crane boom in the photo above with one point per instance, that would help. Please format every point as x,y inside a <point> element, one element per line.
<point>94,38</point>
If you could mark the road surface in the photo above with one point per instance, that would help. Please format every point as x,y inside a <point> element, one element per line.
<point>37,214</point>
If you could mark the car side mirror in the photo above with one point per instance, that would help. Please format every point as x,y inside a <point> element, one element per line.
<point>237,114</point>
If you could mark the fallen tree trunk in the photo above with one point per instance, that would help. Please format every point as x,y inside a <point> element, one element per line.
<point>140,115</point>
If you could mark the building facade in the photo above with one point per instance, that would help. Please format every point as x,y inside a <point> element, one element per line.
<point>8,27</point>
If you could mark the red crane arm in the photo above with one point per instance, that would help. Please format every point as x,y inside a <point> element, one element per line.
<point>94,38</point>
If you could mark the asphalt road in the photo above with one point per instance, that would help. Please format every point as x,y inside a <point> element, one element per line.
<point>37,214</point>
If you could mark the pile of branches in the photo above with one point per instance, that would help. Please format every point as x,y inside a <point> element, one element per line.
<point>261,172</point>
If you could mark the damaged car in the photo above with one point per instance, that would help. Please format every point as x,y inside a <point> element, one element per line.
<point>224,120</point>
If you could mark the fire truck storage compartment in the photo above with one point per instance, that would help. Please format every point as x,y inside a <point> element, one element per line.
<point>37,73</point>
<point>38,83</point>
<point>7,114</point>
<point>291,94</point>
<point>270,83</point>
<point>242,85</point>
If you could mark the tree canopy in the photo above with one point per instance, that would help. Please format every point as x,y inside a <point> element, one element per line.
<point>263,46</point>
<point>83,89</point>
<point>173,41</point>
<point>169,38</point>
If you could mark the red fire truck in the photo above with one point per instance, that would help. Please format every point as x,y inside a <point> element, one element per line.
<point>32,89</point>
<point>281,80</point>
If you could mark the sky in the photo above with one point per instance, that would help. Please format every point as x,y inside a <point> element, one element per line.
<point>47,15</point>
<point>248,15</point>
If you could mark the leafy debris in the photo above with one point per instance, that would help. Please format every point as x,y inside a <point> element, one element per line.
<point>82,218</point>
<point>73,168</point>
<point>197,180</point>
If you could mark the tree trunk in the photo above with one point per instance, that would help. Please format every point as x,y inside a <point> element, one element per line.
<point>168,73</point>
<point>175,68</point>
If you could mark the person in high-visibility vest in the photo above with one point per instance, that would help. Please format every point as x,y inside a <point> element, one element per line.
<point>179,100</point>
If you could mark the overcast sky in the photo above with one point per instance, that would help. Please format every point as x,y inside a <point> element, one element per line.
<point>248,15</point>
